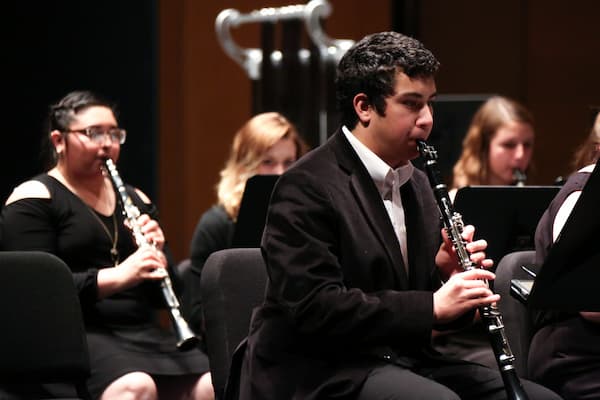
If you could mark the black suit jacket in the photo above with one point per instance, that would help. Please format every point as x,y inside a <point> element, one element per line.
<point>339,301</point>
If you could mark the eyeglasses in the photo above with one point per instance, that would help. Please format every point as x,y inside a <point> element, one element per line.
<point>98,134</point>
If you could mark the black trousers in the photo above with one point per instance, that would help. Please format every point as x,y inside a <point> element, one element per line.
<point>445,381</point>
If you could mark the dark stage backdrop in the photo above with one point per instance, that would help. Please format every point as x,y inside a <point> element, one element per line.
<point>51,48</point>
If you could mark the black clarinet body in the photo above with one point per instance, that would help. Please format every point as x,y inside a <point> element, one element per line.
<point>490,315</point>
<point>186,339</point>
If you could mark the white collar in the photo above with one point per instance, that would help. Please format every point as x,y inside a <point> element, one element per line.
<point>381,173</point>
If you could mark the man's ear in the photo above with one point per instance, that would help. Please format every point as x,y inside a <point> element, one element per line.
<point>363,108</point>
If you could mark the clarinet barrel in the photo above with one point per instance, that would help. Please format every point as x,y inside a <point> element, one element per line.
<point>490,315</point>
<point>186,339</point>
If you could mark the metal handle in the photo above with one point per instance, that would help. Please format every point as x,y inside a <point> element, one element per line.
<point>250,59</point>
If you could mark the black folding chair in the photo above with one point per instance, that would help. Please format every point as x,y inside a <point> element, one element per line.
<point>233,283</point>
<point>42,342</point>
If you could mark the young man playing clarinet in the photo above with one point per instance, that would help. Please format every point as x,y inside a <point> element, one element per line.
<point>355,254</point>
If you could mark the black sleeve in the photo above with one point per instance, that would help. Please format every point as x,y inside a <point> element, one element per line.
<point>214,232</point>
<point>307,275</point>
<point>29,224</point>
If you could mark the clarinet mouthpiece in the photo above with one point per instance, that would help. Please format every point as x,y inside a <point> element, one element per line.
<point>519,177</point>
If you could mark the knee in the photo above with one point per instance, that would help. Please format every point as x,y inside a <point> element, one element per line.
<point>134,385</point>
<point>203,389</point>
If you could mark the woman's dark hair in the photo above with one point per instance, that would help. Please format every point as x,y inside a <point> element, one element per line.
<point>62,114</point>
<point>370,67</point>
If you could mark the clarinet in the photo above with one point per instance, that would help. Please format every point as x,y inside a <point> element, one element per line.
<point>184,335</point>
<point>490,315</point>
<point>519,177</point>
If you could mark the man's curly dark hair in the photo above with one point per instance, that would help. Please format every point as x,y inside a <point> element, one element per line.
<point>370,67</point>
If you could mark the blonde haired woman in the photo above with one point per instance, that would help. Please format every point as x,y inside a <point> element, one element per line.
<point>267,144</point>
<point>498,143</point>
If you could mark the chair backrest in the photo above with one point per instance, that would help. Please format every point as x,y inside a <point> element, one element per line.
<point>184,271</point>
<point>43,337</point>
<point>233,283</point>
<point>518,324</point>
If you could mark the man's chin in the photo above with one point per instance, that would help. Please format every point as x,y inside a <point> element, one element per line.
<point>413,154</point>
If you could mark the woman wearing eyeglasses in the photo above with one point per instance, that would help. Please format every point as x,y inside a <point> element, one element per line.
<point>72,211</point>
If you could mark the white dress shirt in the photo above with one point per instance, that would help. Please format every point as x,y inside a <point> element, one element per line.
<point>388,182</point>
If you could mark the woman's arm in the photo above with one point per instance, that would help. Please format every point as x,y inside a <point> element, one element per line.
<point>28,223</point>
<point>559,222</point>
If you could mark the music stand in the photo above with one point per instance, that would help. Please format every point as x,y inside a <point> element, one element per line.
<point>505,216</point>
<point>253,211</point>
<point>570,275</point>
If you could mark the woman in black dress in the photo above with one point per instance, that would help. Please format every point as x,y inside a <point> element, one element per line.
<point>72,211</point>
<point>565,349</point>
<point>267,144</point>
<point>498,142</point>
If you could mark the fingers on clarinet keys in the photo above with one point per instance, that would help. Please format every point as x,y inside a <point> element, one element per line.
<point>479,259</point>
<point>468,232</point>
<point>154,274</point>
<point>478,274</point>
<point>159,273</point>
<point>477,246</point>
